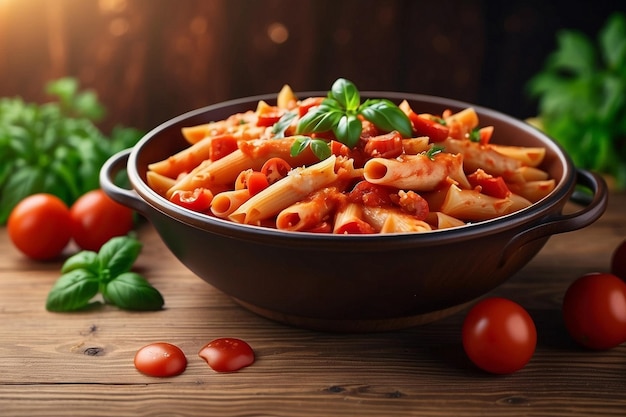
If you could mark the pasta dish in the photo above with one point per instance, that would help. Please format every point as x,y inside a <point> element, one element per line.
<point>322,164</point>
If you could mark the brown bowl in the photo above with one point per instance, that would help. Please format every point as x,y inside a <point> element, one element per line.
<point>355,282</point>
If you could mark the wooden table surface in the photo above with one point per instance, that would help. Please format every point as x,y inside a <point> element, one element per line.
<point>81,364</point>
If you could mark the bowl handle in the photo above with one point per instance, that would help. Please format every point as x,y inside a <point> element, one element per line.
<point>109,169</point>
<point>594,206</point>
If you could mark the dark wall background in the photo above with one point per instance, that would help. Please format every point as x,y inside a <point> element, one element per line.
<point>150,60</point>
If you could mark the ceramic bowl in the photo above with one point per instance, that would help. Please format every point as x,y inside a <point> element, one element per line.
<point>355,283</point>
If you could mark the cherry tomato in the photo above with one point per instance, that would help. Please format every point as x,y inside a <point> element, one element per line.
<point>222,146</point>
<point>499,335</point>
<point>618,262</point>
<point>39,226</point>
<point>227,354</point>
<point>160,359</point>
<point>594,311</point>
<point>275,169</point>
<point>196,200</point>
<point>96,218</point>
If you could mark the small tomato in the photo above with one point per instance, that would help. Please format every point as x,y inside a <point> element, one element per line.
<point>594,311</point>
<point>96,218</point>
<point>499,336</point>
<point>39,226</point>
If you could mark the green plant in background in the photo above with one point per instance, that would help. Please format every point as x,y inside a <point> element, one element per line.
<point>581,94</point>
<point>54,147</point>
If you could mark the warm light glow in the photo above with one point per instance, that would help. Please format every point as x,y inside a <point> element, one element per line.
<point>111,6</point>
<point>278,32</point>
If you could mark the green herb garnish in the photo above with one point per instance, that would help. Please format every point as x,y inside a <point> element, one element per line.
<point>54,147</point>
<point>339,112</point>
<point>319,147</point>
<point>88,273</point>
<point>279,128</point>
<point>434,150</point>
<point>582,98</point>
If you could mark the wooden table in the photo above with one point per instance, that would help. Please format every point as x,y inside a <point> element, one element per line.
<point>82,363</point>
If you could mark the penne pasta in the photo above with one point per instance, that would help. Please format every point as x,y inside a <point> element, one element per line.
<point>389,220</point>
<point>226,202</point>
<point>417,172</point>
<point>309,213</point>
<point>297,185</point>
<point>470,205</point>
<point>477,156</point>
<point>349,220</point>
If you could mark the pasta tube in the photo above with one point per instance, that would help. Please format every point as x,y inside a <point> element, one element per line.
<point>298,184</point>
<point>473,206</point>
<point>416,172</point>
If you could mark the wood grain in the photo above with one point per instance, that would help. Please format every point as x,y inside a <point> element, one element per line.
<point>81,364</point>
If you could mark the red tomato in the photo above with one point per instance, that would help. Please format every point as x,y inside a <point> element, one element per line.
<point>384,146</point>
<point>160,359</point>
<point>371,195</point>
<point>196,200</point>
<point>307,103</point>
<point>222,146</point>
<point>96,218</point>
<point>39,226</point>
<point>594,311</point>
<point>256,182</point>
<point>499,335</point>
<point>275,169</point>
<point>227,354</point>
<point>618,262</point>
<point>427,127</point>
<point>269,115</point>
<point>490,185</point>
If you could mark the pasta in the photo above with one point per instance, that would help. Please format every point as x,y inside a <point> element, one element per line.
<point>260,172</point>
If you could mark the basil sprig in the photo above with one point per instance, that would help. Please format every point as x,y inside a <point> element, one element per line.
<point>339,112</point>
<point>88,273</point>
<point>55,147</point>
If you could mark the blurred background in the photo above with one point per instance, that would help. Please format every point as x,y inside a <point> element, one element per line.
<point>150,60</point>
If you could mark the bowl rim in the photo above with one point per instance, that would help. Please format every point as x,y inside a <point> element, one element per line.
<point>533,213</point>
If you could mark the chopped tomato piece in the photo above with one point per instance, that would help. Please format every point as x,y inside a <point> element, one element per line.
<point>384,146</point>
<point>428,127</point>
<point>339,149</point>
<point>196,200</point>
<point>413,203</point>
<point>371,195</point>
<point>307,103</point>
<point>269,115</point>
<point>275,169</point>
<point>256,182</point>
<point>490,185</point>
<point>222,146</point>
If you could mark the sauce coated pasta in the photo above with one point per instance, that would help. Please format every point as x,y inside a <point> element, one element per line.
<point>261,167</point>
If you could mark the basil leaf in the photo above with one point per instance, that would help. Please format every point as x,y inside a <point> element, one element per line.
<point>283,123</point>
<point>320,119</point>
<point>385,115</point>
<point>348,130</point>
<point>346,94</point>
<point>299,145</point>
<point>131,291</point>
<point>118,255</point>
<point>72,291</point>
<point>320,148</point>
<point>87,260</point>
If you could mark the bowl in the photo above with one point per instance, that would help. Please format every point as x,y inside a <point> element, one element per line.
<point>355,283</point>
